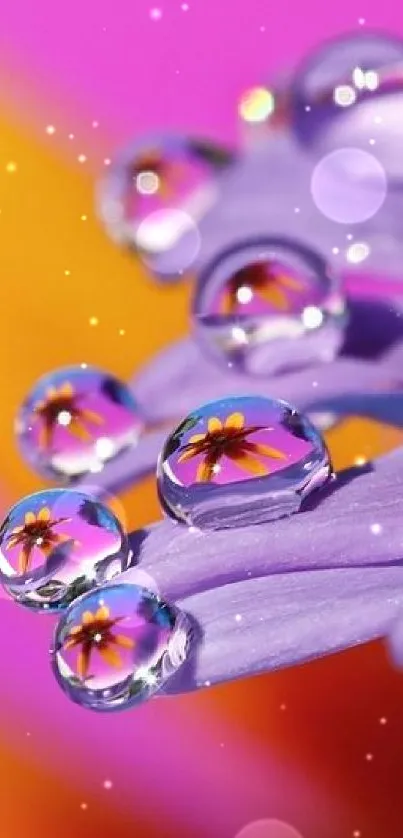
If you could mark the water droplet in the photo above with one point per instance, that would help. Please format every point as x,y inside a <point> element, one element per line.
<point>131,662</point>
<point>267,306</point>
<point>269,457</point>
<point>154,194</point>
<point>349,84</point>
<point>75,420</point>
<point>56,545</point>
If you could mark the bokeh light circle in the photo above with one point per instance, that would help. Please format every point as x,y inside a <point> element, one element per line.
<point>256,104</point>
<point>268,828</point>
<point>168,241</point>
<point>349,185</point>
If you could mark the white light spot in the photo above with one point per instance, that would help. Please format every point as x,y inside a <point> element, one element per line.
<point>360,461</point>
<point>216,468</point>
<point>344,95</point>
<point>83,806</point>
<point>312,317</point>
<point>98,637</point>
<point>349,185</point>
<point>39,541</point>
<point>297,210</point>
<point>50,129</point>
<point>207,683</point>
<point>369,757</point>
<point>185,7</point>
<point>371,80</point>
<point>147,183</point>
<point>104,448</point>
<point>335,250</point>
<point>238,618</point>
<point>95,124</point>
<point>244,294</point>
<point>376,529</point>
<point>307,108</point>
<point>64,418</point>
<point>239,335</point>
<point>359,78</point>
<point>81,158</point>
<point>383,720</point>
<point>361,21</point>
<point>155,14</point>
<point>357,252</point>
<point>107,784</point>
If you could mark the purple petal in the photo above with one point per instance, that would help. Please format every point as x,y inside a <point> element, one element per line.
<point>181,378</point>
<point>265,624</point>
<point>245,207</point>
<point>353,525</point>
<point>285,592</point>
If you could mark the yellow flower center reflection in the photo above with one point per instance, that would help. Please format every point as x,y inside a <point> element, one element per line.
<point>95,633</point>
<point>229,440</point>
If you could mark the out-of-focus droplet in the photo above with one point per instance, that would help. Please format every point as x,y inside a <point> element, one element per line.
<point>117,646</point>
<point>56,545</point>
<point>268,305</point>
<point>240,461</point>
<point>350,92</point>
<point>75,420</point>
<point>155,186</point>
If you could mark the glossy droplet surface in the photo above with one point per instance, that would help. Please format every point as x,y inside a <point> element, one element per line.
<point>74,421</point>
<point>240,461</point>
<point>349,93</point>
<point>265,306</point>
<point>57,544</point>
<point>153,195</point>
<point>116,647</point>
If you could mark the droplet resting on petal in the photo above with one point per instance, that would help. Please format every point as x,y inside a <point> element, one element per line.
<point>154,194</point>
<point>348,93</point>
<point>268,305</point>
<point>240,461</point>
<point>124,654</point>
<point>75,420</point>
<point>57,544</point>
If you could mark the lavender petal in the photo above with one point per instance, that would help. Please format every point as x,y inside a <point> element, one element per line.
<point>265,624</point>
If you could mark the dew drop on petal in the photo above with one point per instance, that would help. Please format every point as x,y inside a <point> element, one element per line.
<point>270,458</point>
<point>264,307</point>
<point>56,545</point>
<point>74,421</point>
<point>154,194</point>
<point>132,660</point>
<point>351,84</point>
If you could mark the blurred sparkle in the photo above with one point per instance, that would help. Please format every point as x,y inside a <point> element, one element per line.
<point>11,167</point>
<point>376,529</point>
<point>107,161</point>
<point>369,757</point>
<point>81,158</point>
<point>84,217</point>
<point>107,784</point>
<point>93,321</point>
<point>360,461</point>
<point>155,14</point>
<point>67,273</point>
<point>238,618</point>
<point>84,806</point>
<point>256,104</point>
<point>383,720</point>
<point>122,332</point>
<point>344,95</point>
<point>95,124</point>
<point>357,252</point>
<point>50,129</point>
